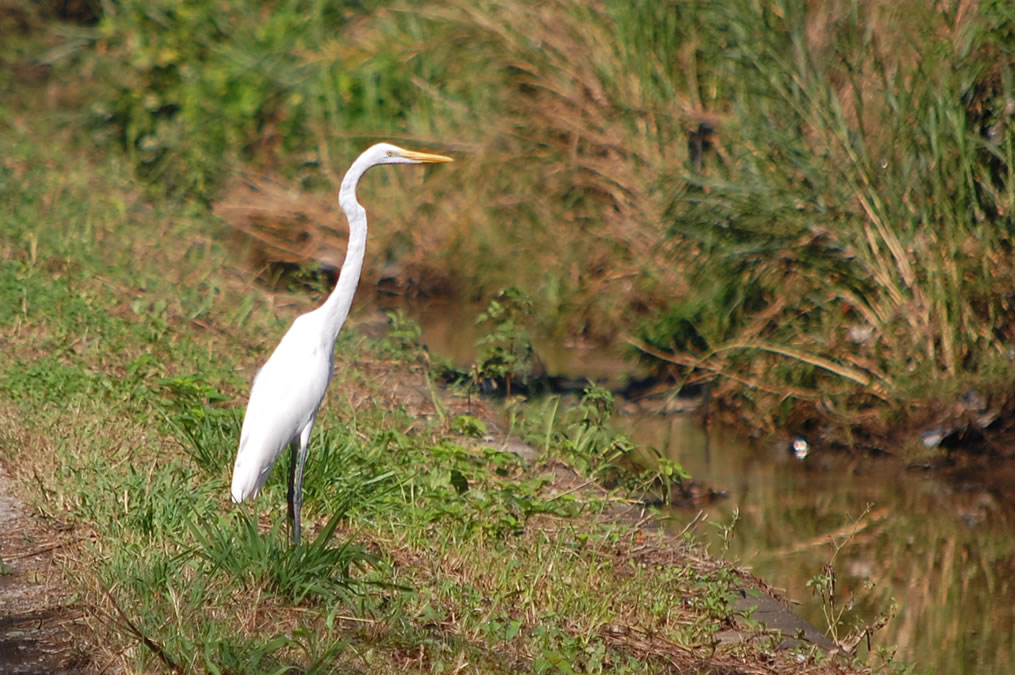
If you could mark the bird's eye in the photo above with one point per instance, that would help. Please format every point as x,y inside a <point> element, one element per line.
<point>390,154</point>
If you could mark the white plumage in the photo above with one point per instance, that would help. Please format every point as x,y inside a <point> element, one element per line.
<point>281,406</point>
<point>288,390</point>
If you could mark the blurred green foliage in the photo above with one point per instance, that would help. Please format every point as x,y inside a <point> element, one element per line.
<point>505,352</point>
<point>197,82</point>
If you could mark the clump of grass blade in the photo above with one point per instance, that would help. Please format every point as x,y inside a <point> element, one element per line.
<point>311,570</point>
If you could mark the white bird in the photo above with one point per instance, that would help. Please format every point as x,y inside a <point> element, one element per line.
<point>289,388</point>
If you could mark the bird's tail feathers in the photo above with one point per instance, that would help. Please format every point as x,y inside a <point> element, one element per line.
<point>247,480</point>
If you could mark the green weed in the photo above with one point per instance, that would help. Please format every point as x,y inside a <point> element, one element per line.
<point>837,609</point>
<point>583,435</point>
<point>403,339</point>
<point>505,352</point>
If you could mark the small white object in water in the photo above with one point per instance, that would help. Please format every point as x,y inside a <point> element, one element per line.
<point>801,448</point>
<point>932,438</point>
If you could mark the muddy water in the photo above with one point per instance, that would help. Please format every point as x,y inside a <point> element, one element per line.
<point>942,551</point>
<point>450,331</point>
<point>939,550</point>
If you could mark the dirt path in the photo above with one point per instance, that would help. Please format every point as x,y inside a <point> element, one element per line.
<point>40,630</point>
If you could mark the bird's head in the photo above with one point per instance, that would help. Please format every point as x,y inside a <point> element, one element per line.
<point>382,153</point>
<point>386,153</point>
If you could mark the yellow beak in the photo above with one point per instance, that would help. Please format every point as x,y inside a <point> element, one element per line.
<point>425,157</point>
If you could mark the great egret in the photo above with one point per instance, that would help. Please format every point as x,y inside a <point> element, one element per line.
<point>289,388</point>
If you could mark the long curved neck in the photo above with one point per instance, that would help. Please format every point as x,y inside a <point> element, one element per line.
<point>336,307</point>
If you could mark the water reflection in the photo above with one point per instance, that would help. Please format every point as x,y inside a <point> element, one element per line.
<point>449,329</point>
<point>945,551</point>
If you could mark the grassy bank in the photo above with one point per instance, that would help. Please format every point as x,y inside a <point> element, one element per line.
<point>131,334</point>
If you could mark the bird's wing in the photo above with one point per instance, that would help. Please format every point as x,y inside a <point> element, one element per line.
<point>283,399</point>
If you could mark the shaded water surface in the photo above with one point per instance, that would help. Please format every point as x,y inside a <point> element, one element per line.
<point>941,549</point>
<point>450,331</point>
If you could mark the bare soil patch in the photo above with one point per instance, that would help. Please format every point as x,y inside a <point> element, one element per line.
<point>41,627</point>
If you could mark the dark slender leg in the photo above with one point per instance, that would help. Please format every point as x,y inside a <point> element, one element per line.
<point>297,489</point>
<point>297,461</point>
<point>294,514</point>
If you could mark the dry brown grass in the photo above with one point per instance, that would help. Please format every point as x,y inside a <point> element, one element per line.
<point>285,225</point>
<point>563,179</point>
